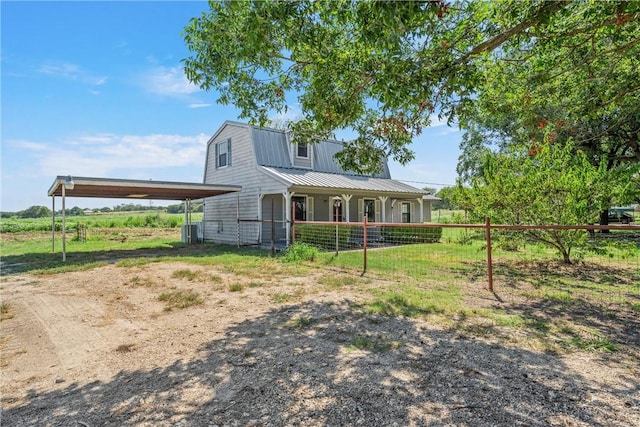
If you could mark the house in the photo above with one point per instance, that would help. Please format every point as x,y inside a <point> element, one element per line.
<point>275,174</point>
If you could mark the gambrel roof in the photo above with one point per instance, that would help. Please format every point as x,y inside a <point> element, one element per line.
<point>271,149</point>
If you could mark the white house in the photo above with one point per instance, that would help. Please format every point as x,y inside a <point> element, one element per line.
<point>275,173</point>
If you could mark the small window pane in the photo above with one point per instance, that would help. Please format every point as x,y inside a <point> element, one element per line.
<point>223,149</point>
<point>303,149</point>
<point>406,212</point>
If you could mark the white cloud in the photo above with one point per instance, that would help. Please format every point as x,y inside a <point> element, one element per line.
<point>199,105</point>
<point>168,81</point>
<point>70,71</point>
<point>66,70</point>
<point>28,145</point>
<point>110,154</point>
<point>437,121</point>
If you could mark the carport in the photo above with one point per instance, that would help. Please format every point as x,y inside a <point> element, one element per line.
<point>68,186</point>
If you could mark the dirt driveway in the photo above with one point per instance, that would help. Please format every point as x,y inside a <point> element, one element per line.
<point>99,348</point>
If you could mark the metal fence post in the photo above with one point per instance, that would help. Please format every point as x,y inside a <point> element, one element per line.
<point>293,223</point>
<point>364,252</point>
<point>487,223</point>
<point>273,228</point>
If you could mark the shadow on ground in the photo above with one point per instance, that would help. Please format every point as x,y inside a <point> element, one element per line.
<point>328,364</point>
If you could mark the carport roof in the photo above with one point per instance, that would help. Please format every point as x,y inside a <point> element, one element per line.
<point>138,189</point>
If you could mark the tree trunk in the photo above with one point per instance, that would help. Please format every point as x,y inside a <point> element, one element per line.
<point>604,220</point>
<point>565,257</point>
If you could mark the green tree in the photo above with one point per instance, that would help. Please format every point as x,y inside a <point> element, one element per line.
<point>177,208</point>
<point>430,190</point>
<point>35,212</point>
<point>383,68</point>
<point>446,194</point>
<point>557,186</point>
<point>586,106</point>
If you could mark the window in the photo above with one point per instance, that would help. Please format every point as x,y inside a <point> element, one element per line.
<point>335,205</point>
<point>301,208</point>
<point>406,212</point>
<point>370,209</point>
<point>302,150</point>
<point>223,154</point>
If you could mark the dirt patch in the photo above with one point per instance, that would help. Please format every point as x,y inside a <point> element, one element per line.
<point>100,348</point>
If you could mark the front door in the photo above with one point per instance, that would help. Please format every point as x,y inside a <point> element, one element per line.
<point>300,203</point>
<point>370,209</point>
<point>337,210</point>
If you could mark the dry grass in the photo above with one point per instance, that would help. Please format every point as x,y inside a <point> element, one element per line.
<point>5,311</point>
<point>180,299</point>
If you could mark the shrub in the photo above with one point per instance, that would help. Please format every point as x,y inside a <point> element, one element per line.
<point>323,236</point>
<point>403,234</point>
<point>301,252</point>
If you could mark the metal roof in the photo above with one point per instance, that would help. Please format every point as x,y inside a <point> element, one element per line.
<point>322,181</point>
<point>137,189</point>
<point>271,147</point>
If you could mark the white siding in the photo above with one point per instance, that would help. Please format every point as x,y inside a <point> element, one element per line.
<point>221,212</point>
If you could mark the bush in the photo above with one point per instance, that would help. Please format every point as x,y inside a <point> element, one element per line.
<point>402,234</point>
<point>323,236</point>
<point>300,252</point>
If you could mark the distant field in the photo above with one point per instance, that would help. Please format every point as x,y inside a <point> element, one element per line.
<point>446,216</point>
<point>98,220</point>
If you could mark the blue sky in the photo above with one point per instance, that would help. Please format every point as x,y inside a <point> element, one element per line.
<point>97,89</point>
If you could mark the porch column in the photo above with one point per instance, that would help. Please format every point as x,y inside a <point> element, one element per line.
<point>287,213</point>
<point>347,198</point>
<point>393,204</point>
<point>53,223</point>
<point>383,203</point>
<point>260,197</point>
<point>421,204</point>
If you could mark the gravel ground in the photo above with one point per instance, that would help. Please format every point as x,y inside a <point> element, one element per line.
<point>97,348</point>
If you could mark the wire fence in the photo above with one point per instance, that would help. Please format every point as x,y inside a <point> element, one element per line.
<point>562,263</point>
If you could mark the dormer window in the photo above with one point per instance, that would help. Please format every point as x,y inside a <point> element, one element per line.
<point>302,150</point>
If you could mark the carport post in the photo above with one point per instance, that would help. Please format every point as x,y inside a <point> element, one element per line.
<point>66,185</point>
<point>64,227</point>
<point>53,223</point>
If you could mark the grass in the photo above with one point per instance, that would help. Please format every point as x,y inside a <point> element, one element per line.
<point>137,281</point>
<point>595,343</point>
<point>253,284</point>
<point>281,298</point>
<point>180,299</point>
<point>300,322</point>
<point>300,252</point>
<point>412,301</point>
<point>236,287</point>
<point>196,275</point>
<point>146,219</point>
<point>185,274</point>
<point>68,268</point>
<point>337,281</point>
<point>5,311</point>
<point>373,344</point>
<point>433,281</point>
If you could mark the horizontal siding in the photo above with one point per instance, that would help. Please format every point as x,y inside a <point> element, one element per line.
<point>243,171</point>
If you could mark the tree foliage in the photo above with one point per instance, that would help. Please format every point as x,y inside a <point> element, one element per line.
<point>557,186</point>
<point>35,212</point>
<point>383,68</point>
